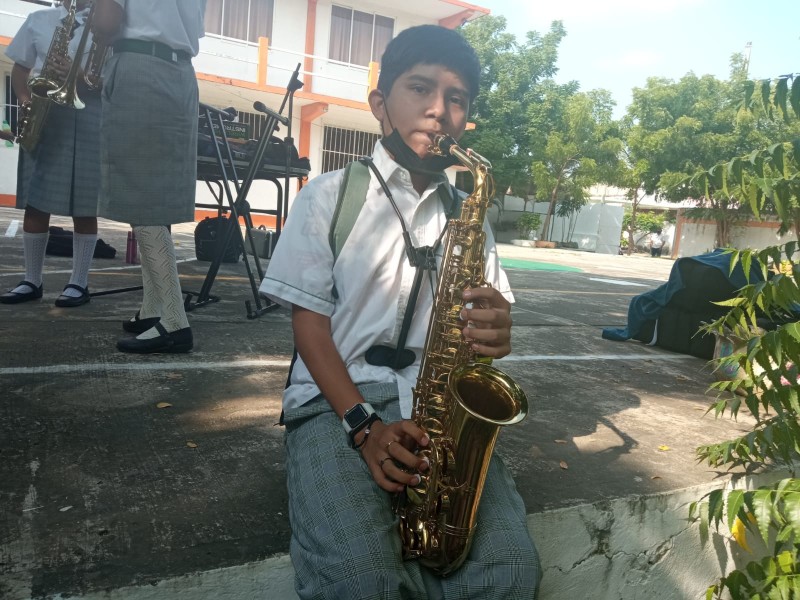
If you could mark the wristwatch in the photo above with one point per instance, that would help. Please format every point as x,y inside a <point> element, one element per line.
<point>361,416</point>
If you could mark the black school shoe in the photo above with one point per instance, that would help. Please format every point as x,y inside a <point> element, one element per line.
<point>18,297</point>
<point>64,301</point>
<point>138,325</point>
<point>167,342</point>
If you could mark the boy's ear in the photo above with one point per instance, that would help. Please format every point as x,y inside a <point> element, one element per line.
<point>377,104</point>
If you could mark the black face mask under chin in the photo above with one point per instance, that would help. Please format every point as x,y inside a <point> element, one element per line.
<point>432,164</point>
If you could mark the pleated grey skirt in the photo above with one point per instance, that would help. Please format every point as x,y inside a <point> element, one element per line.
<point>148,140</point>
<point>62,174</point>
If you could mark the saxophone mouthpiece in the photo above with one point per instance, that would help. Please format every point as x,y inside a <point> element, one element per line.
<point>443,143</point>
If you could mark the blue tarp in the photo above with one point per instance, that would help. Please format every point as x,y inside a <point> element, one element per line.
<point>648,306</point>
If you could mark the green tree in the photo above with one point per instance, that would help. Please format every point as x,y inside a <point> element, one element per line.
<point>767,364</point>
<point>582,150</point>
<point>521,115</point>
<point>513,76</point>
<point>676,130</point>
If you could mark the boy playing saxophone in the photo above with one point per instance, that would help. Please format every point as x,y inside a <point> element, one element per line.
<point>349,440</point>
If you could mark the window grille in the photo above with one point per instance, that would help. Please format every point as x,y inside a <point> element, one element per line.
<point>341,146</point>
<point>10,114</point>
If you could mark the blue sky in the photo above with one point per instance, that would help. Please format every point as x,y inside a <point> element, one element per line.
<point>618,44</point>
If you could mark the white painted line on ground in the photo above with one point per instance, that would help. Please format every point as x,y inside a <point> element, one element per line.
<point>282,363</point>
<point>139,367</point>
<point>619,282</point>
<point>11,231</point>
<point>120,268</point>
<point>585,357</point>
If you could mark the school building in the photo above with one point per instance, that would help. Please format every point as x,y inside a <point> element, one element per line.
<point>249,53</point>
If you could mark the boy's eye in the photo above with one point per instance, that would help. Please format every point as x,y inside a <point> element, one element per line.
<point>458,100</point>
<point>419,89</point>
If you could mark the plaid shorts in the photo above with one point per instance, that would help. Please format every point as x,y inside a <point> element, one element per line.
<point>344,533</point>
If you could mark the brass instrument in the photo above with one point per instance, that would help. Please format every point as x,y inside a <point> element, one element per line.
<point>49,79</point>
<point>459,401</point>
<point>48,88</point>
<point>36,110</point>
<point>67,94</point>
<point>93,70</point>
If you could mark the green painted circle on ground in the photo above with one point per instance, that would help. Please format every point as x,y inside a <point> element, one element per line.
<point>511,263</point>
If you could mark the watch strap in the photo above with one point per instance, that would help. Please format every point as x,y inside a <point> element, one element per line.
<point>366,428</point>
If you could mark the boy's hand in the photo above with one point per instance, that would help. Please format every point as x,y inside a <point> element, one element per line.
<point>389,454</point>
<point>488,323</point>
<point>61,65</point>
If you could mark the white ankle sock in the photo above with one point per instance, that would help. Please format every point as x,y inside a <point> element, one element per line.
<point>34,245</point>
<point>82,253</point>
<point>157,255</point>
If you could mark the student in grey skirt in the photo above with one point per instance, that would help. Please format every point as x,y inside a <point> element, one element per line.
<point>148,150</point>
<point>62,173</point>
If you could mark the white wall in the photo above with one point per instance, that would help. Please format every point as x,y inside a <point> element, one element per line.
<point>8,169</point>
<point>12,15</point>
<point>698,238</point>
<point>597,226</point>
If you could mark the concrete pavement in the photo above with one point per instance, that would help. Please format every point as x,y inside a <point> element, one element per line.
<point>101,488</point>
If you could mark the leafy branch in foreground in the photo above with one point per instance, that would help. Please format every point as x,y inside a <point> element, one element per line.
<point>762,326</point>
<point>770,515</point>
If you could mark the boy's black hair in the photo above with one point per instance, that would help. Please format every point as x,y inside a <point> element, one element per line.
<point>430,45</point>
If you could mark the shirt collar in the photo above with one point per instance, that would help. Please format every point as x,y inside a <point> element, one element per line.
<point>388,167</point>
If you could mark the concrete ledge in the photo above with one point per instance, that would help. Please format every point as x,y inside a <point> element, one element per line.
<point>622,549</point>
<point>637,547</point>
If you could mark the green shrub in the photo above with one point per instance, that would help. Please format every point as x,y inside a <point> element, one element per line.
<point>528,223</point>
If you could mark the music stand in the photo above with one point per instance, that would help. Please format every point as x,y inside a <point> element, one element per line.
<point>240,206</point>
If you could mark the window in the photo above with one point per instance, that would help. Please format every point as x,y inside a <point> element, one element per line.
<point>42,2</point>
<point>358,37</point>
<point>341,146</point>
<point>240,19</point>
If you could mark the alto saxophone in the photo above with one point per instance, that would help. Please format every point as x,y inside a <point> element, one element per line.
<point>36,110</point>
<point>47,89</point>
<point>459,401</point>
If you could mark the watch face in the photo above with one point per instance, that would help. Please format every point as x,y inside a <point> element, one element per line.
<point>355,415</point>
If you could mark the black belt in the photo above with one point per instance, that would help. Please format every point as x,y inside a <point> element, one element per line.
<point>158,49</point>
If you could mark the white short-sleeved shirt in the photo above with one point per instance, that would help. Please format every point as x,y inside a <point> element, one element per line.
<point>372,276</point>
<point>29,47</point>
<point>656,240</point>
<point>176,23</point>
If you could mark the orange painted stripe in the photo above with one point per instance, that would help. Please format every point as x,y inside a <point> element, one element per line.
<point>267,221</point>
<point>5,41</point>
<point>263,54</point>
<point>332,100</point>
<point>763,224</point>
<point>311,32</point>
<point>468,6</point>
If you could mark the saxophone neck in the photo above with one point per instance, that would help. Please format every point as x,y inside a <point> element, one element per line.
<point>444,145</point>
<point>479,166</point>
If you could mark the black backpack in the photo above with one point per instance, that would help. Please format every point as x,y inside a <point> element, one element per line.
<point>208,235</point>
<point>60,244</point>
